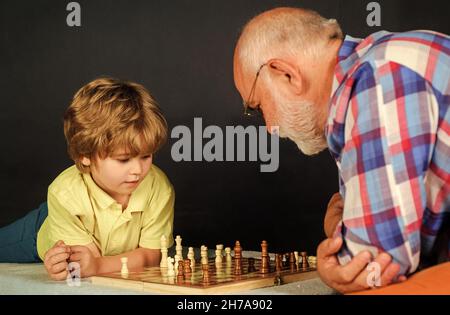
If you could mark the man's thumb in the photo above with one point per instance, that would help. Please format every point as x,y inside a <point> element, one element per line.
<point>333,245</point>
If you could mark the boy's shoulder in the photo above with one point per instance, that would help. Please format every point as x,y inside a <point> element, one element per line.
<point>68,181</point>
<point>157,180</point>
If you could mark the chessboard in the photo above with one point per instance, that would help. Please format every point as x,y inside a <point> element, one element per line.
<point>218,278</point>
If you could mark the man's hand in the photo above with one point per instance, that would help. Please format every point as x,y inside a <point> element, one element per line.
<point>334,213</point>
<point>88,262</point>
<point>353,276</point>
<point>55,261</point>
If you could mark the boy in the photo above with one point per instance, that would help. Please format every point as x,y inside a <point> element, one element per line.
<point>113,202</point>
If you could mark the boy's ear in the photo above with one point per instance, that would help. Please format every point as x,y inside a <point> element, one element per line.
<point>85,161</point>
<point>288,72</point>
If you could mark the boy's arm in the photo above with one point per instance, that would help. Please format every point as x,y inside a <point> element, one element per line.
<point>137,258</point>
<point>92,264</point>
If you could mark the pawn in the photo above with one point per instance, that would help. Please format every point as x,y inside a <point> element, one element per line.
<point>191,257</point>
<point>218,255</point>
<point>228,257</point>
<point>187,267</point>
<point>177,259</point>
<point>296,258</point>
<point>305,264</point>
<point>170,267</point>
<point>205,270</point>
<point>180,274</point>
<point>124,270</point>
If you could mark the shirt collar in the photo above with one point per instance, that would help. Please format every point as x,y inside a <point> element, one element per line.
<point>137,200</point>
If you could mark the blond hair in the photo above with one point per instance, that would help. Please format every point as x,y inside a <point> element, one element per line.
<point>285,31</point>
<point>107,114</point>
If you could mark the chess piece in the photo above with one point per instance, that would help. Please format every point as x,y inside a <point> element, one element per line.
<point>228,257</point>
<point>219,254</point>
<point>204,254</point>
<point>191,257</point>
<point>278,262</point>
<point>178,247</point>
<point>292,261</point>
<point>265,262</point>
<point>305,264</point>
<point>124,270</point>
<point>164,251</point>
<point>312,261</point>
<point>237,258</point>
<point>187,266</point>
<point>296,258</point>
<point>170,267</point>
<point>205,270</point>
<point>180,274</point>
<point>177,259</point>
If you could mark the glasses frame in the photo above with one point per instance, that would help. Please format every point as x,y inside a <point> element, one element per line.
<point>248,110</point>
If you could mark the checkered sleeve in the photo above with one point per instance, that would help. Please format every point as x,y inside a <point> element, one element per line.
<point>390,130</point>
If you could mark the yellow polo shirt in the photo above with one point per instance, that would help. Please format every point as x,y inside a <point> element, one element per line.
<point>80,213</point>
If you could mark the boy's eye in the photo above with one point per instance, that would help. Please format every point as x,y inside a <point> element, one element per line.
<point>123,160</point>
<point>146,157</point>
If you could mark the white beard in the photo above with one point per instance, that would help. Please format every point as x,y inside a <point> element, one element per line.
<point>298,122</point>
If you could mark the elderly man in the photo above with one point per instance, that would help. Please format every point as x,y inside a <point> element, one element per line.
<point>381,106</point>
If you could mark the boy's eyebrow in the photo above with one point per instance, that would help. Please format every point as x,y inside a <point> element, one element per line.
<point>120,154</point>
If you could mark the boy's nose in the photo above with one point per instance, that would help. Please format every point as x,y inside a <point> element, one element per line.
<point>136,168</point>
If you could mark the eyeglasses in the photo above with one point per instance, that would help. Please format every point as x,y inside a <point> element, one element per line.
<point>251,111</point>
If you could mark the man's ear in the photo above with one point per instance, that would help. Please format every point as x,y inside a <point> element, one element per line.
<point>287,71</point>
<point>85,161</point>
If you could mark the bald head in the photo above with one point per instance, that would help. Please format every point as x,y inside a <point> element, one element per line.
<point>284,33</point>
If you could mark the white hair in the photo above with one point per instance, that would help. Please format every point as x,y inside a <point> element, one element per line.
<point>285,32</point>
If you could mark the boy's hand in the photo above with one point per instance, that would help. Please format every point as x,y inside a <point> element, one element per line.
<point>88,262</point>
<point>55,261</point>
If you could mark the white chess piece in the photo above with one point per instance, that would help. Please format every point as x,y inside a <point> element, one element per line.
<point>297,261</point>
<point>228,254</point>
<point>218,254</point>
<point>179,247</point>
<point>177,259</point>
<point>164,251</point>
<point>124,270</point>
<point>170,270</point>
<point>191,256</point>
<point>204,254</point>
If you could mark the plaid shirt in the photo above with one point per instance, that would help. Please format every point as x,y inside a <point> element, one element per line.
<point>389,132</point>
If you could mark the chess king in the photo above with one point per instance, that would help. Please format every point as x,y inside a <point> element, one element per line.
<point>112,129</point>
<point>381,107</point>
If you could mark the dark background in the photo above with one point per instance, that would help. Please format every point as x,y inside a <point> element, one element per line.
<point>181,50</point>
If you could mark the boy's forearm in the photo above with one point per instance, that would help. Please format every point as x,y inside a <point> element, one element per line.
<point>137,259</point>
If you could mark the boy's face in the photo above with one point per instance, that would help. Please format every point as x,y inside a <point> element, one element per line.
<point>119,174</point>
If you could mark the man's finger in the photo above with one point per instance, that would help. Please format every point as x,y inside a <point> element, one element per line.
<point>354,268</point>
<point>389,274</point>
<point>329,247</point>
